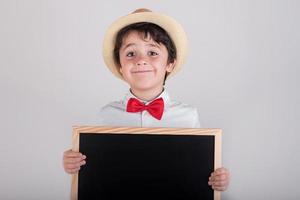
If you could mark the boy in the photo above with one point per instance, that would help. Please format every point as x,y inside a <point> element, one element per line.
<point>144,49</point>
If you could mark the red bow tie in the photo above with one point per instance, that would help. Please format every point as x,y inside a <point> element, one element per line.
<point>155,108</point>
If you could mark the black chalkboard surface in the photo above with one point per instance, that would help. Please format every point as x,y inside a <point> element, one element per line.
<point>146,163</point>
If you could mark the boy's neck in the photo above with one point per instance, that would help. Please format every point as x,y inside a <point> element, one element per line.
<point>148,95</point>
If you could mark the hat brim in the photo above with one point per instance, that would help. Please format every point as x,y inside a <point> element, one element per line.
<point>172,27</point>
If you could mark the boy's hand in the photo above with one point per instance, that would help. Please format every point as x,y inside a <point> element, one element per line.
<point>219,179</point>
<point>72,161</point>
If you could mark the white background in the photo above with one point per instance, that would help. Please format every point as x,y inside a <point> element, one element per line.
<point>242,74</point>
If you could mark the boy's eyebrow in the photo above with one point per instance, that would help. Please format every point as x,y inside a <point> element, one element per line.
<point>128,45</point>
<point>153,45</point>
<point>133,44</point>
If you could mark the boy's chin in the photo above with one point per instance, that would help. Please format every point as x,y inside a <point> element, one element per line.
<point>146,87</point>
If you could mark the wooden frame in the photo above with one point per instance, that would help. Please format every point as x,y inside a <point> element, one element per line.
<point>136,130</point>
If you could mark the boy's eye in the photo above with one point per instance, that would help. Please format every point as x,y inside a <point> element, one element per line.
<point>152,53</point>
<point>130,54</point>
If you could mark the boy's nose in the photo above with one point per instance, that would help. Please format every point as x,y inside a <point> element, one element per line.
<point>141,62</point>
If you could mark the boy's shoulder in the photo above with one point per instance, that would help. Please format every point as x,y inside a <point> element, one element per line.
<point>179,104</point>
<point>114,105</point>
<point>181,108</point>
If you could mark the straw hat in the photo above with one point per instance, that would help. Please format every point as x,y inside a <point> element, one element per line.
<point>171,26</point>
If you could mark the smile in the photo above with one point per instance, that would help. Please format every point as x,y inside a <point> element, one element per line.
<point>142,71</point>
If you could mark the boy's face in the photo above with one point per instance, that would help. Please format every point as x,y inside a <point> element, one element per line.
<point>143,62</point>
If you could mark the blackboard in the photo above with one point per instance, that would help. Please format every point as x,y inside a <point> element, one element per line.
<point>146,163</point>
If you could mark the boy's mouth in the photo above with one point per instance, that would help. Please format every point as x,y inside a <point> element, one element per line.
<point>141,71</point>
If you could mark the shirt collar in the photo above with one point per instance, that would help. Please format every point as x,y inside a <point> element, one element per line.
<point>163,95</point>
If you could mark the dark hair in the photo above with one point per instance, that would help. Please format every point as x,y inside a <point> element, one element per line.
<point>155,32</point>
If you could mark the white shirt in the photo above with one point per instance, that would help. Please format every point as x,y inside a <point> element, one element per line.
<point>175,115</point>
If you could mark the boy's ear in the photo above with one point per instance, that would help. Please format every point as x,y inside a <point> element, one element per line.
<point>170,66</point>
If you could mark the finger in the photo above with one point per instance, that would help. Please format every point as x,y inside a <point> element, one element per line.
<point>209,182</point>
<point>221,170</point>
<point>73,171</point>
<point>218,188</point>
<point>220,183</point>
<point>71,153</point>
<point>73,160</point>
<point>211,179</point>
<point>221,177</point>
<point>74,165</point>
